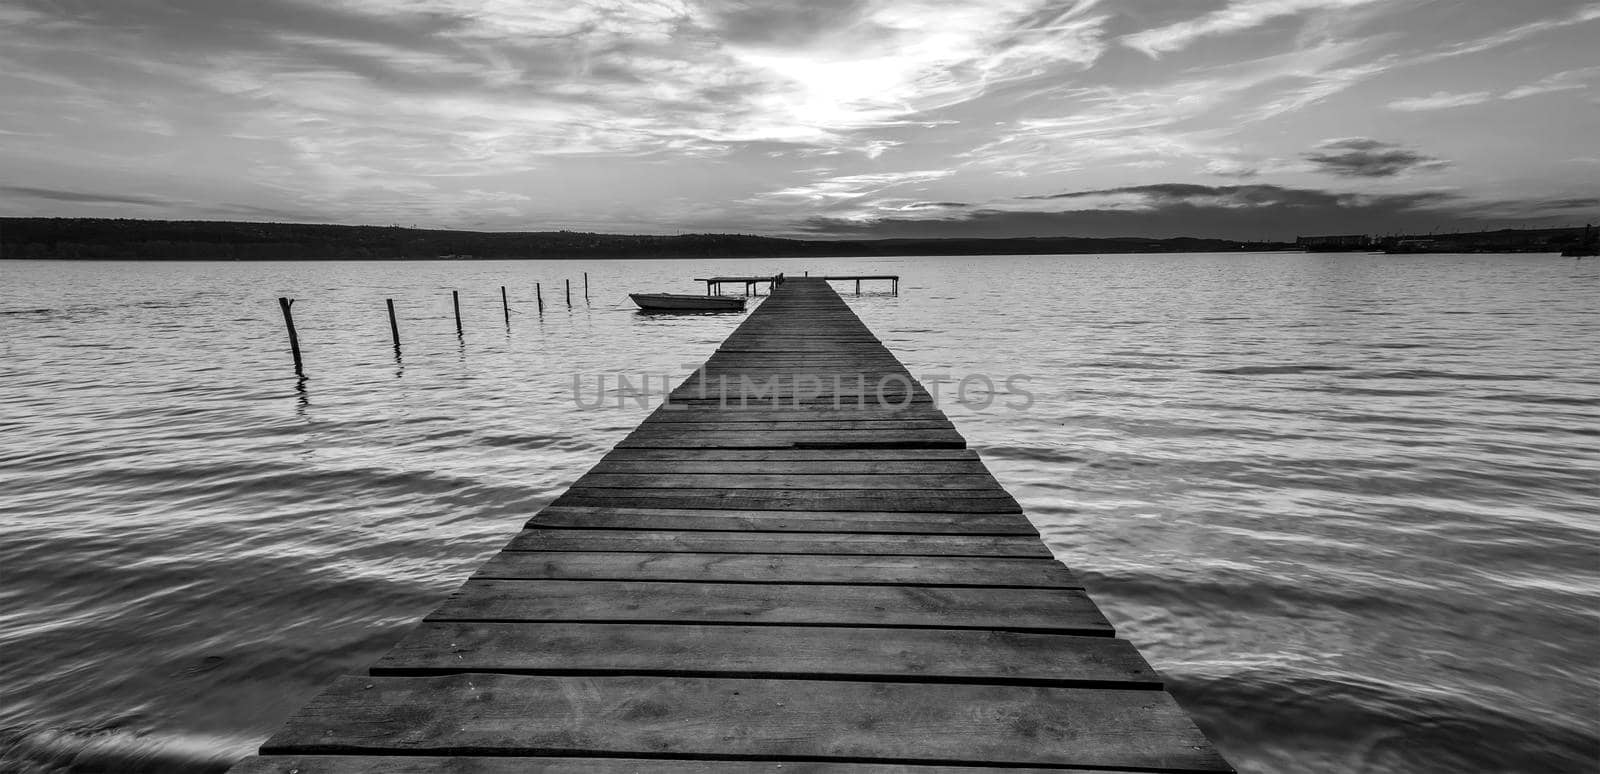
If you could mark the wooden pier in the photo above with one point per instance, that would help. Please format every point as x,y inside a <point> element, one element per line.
<point>773,575</point>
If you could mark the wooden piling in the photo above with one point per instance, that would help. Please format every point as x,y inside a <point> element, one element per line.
<point>569,292</point>
<point>816,575</point>
<point>538,294</point>
<point>294,338</point>
<point>586,288</point>
<point>394,326</point>
<point>455,300</point>
<point>505,305</point>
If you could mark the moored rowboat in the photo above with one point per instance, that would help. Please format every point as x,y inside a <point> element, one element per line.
<point>674,302</point>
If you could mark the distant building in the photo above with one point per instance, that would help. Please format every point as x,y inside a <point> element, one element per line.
<point>1334,243</point>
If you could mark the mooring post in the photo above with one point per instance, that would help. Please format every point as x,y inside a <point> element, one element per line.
<point>505,305</point>
<point>294,338</point>
<point>896,290</point>
<point>586,288</point>
<point>569,292</point>
<point>394,327</point>
<point>538,294</point>
<point>455,299</point>
<point>858,287</point>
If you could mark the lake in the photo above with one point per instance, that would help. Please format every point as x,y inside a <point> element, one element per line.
<point>1345,503</point>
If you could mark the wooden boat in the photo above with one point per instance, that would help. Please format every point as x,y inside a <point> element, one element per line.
<point>675,302</point>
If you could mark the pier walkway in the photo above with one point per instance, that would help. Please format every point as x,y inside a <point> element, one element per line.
<point>826,584</point>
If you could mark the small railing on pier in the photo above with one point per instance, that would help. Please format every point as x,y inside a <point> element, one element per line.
<point>752,284</point>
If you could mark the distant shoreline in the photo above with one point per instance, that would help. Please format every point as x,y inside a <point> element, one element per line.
<point>102,239</point>
<point>170,240</point>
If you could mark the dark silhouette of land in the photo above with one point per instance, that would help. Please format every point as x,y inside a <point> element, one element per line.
<point>1505,240</point>
<point>89,238</point>
<point>103,238</point>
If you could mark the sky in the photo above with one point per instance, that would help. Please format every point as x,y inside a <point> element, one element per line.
<point>1238,119</point>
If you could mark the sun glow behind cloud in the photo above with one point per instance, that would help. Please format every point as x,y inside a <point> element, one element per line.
<point>774,117</point>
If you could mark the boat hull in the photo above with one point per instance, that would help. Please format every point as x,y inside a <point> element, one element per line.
<point>671,302</point>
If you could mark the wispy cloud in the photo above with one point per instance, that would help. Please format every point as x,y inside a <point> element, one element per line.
<point>1569,80</point>
<point>1441,100</point>
<point>83,197</point>
<point>1582,15</point>
<point>1236,16</point>
<point>845,187</point>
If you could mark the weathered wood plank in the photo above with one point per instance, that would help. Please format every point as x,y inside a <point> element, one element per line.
<point>791,652</point>
<point>795,455</point>
<point>724,480</point>
<point>806,412</point>
<point>783,521</point>
<point>812,426</point>
<point>780,568</point>
<point>822,468</point>
<point>789,499</point>
<point>669,541</point>
<point>729,719</point>
<point>430,764</point>
<point>1050,611</point>
<point>710,491</point>
<point>779,439</point>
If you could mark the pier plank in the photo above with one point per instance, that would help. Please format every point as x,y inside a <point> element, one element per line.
<point>664,541</point>
<point>731,719</point>
<point>740,468</point>
<point>430,764</point>
<point>677,480</point>
<point>793,652</point>
<point>863,493</point>
<point>844,500</point>
<point>888,454</point>
<point>1057,611</point>
<point>728,520</point>
<point>780,568</point>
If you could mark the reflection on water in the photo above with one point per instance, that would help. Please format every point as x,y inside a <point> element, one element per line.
<point>1344,502</point>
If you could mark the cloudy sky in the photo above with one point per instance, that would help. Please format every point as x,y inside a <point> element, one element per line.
<point>1232,118</point>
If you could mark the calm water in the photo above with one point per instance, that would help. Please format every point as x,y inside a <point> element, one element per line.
<point>1346,503</point>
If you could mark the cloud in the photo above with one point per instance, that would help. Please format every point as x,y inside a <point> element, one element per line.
<point>1320,83</point>
<point>80,197</point>
<point>1586,13</point>
<point>1365,157</point>
<point>476,86</point>
<point>1568,80</point>
<point>1165,195</point>
<point>1236,16</point>
<point>1179,209</point>
<point>673,113</point>
<point>1579,203</point>
<point>844,187</point>
<point>1232,168</point>
<point>1441,100</point>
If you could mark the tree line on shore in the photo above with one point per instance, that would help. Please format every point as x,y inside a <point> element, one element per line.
<point>104,238</point>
